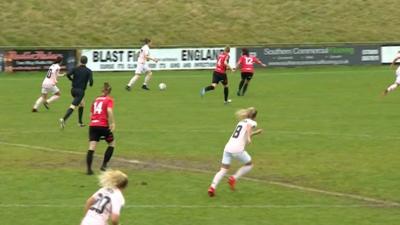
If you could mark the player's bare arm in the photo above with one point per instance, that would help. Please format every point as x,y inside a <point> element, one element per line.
<point>89,203</point>
<point>227,65</point>
<point>256,132</point>
<point>394,61</point>
<point>148,57</point>
<point>110,114</point>
<point>115,219</point>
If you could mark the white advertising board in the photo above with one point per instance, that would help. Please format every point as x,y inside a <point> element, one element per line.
<point>169,59</point>
<point>389,53</point>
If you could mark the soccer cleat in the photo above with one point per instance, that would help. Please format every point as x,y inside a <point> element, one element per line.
<point>228,101</point>
<point>144,87</point>
<point>103,168</point>
<point>128,88</point>
<point>385,92</point>
<point>238,93</point>
<point>62,123</point>
<point>89,172</point>
<point>232,182</point>
<point>202,92</point>
<point>34,110</point>
<point>211,192</point>
<point>81,125</point>
<point>46,105</point>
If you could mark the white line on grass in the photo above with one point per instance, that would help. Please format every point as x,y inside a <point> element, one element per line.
<point>267,206</point>
<point>386,203</point>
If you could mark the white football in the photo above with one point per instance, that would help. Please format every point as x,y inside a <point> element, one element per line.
<point>162,86</point>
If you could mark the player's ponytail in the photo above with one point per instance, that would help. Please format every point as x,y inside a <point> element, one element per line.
<point>250,113</point>
<point>146,40</point>
<point>113,179</point>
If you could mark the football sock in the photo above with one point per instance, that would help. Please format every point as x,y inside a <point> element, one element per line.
<point>209,88</point>
<point>218,177</point>
<point>392,87</point>
<point>89,159</point>
<point>241,85</point>
<point>53,98</point>
<point>80,114</point>
<point>68,114</point>
<point>133,80</point>
<point>245,88</point>
<point>242,171</point>
<point>226,93</point>
<point>38,102</point>
<point>107,155</point>
<point>147,80</point>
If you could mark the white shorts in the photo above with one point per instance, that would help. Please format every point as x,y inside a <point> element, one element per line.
<point>52,89</point>
<point>142,68</point>
<point>243,157</point>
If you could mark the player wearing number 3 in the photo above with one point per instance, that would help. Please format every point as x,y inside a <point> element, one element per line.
<point>235,148</point>
<point>102,125</point>
<point>107,202</point>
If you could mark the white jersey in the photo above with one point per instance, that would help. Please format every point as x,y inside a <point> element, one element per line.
<point>398,68</point>
<point>144,52</point>
<point>238,140</point>
<point>51,76</point>
<point>108,201</point>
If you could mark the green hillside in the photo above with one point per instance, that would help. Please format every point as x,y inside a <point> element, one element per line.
<point>206,22</point>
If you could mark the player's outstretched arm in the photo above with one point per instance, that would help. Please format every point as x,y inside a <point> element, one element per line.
<point>89,203</point>
<point>394,61</point>
<point>258,131</point>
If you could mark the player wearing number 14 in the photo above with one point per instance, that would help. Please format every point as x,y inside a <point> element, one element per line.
<point>235,148</point>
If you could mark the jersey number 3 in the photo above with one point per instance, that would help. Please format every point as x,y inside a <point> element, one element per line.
<point>237,131</point>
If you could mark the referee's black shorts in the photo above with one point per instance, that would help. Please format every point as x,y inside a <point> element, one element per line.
<point>78,95</point>
<point>219,77</point>
<point>97,133</point>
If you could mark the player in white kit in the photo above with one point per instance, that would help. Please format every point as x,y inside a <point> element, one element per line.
<point>107,202</point>
<point>235,148</point>
<point>397,81</point>
<point>142,66</point>
<point>49,86</point>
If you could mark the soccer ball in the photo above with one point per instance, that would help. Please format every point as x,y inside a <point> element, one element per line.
<point>162,86</point>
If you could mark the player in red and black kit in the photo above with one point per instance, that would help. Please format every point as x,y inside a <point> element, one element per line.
<point>219,75</point>
<point>102,125</point>
<point>247,69</point>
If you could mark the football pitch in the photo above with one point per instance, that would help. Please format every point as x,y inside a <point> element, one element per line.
<point>329,154</point>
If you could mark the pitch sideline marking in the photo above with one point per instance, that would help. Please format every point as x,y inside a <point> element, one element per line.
<point>276,183</point>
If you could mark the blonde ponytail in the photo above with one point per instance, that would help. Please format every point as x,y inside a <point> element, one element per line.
<point>113,179</point>
<point>250,112</point>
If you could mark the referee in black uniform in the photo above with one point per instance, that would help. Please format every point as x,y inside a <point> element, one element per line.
<point>80,77</point>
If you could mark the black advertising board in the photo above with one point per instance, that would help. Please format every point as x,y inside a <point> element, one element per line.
<point>37,60</point>
<point>317,55</point>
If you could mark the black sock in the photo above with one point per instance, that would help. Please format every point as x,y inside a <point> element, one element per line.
<point>107,155</point>
<point>226,93</point>
<point>89,159</point>
<point>68,113</point>
<point>245,88</point>
<point>209,88</point>
<point>241,85</point>
<point>80,113</point>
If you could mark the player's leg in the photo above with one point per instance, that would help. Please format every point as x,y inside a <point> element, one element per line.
<point>56,95</point>
<point>132,81</point>
<point>226,90</point>
<point>245,158</point>
<point>214,82</point>
<point>94,137</point>
<point>78,95</point>
<point>40,100</point>
<point>80,113</point>
<point>109,151</point>
<point>147,78</point>
<point>246,84</point>
<point>226,161</point>
<point>241,85</point>
<point>393,86</point>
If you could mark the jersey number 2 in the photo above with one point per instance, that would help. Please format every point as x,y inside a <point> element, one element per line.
<point>237,131</point>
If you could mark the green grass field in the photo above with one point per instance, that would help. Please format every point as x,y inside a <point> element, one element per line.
<point>195,23</point>
<point>325,128</point>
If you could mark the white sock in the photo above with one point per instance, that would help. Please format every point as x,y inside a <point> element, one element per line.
<point>242,171</point>
<point>53,98</point>
<point>218,177</point>
<point>38,102</point>
<point>147,79</point>
<point>133,80</point>
<point>392,87</point>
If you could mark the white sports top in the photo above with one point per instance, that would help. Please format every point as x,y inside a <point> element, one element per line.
<point>144,51</point>
<point>108,201</point>
<point>51,76</point>
<point>238,140</point>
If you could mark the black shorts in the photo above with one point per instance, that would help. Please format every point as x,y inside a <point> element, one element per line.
<point>247,75</point>
<point>78,95</point>
<point>97,133</point>
<point>219,77</point>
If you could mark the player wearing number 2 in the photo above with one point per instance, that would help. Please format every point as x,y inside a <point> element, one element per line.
<point>102,125</point>
<point>49,85</point>
<point>247,69</point>
<point>107,202</point>
<point>219,75</point>
<point>235,148</point>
